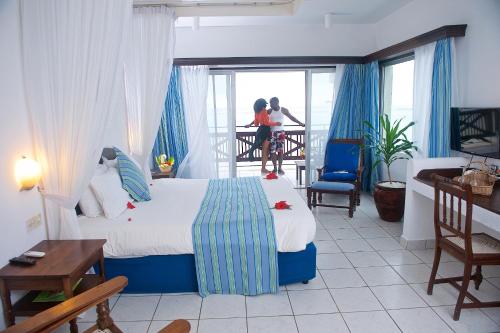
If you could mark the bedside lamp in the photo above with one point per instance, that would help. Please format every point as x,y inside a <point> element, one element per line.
<point>28,173</point>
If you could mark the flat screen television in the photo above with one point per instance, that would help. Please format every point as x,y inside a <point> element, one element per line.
<point>476,131</point>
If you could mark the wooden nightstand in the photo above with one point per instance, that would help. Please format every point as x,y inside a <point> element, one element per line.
<point>64,263</point>
<point>158,174</point>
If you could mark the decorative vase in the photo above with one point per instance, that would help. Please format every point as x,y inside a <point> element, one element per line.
<point>390,200</point>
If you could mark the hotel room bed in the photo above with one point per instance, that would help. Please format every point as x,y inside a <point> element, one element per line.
<point>152,244</point>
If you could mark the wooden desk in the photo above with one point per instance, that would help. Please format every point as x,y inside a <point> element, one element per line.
<point>491,203</point>
<point>65,262</point>
<point>418,226</point>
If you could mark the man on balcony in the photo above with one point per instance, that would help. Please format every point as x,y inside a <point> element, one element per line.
<point>277,114</point>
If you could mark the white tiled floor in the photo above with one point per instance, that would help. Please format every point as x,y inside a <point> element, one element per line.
<point>365,283</point>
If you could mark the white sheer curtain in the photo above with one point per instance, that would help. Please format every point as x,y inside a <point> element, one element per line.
<point>199,161</point>
<point>422,88</point>
<point>147,72</point>
<point>72,56</point>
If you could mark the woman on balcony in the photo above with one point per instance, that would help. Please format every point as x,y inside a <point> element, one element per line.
<point>263,134</point>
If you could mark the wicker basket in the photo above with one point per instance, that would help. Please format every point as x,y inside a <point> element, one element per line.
<point>481,181</point>
<point>165,168</point>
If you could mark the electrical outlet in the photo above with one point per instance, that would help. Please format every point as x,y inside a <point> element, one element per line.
<point>34,222</point>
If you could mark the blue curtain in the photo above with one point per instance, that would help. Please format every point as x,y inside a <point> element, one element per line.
<point>171,138</point>
<point>371,114</point>
<point>347,113</point>
<point>358,101</point>
<point>439,135</point>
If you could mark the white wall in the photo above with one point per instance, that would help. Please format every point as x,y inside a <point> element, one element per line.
<point>15,138</point>
<point>279,40</point>
<point>478,72</point>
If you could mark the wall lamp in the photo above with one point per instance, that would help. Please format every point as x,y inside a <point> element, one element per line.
<point>28,173</point>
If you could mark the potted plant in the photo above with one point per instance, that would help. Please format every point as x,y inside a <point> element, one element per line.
<point>390,145</point>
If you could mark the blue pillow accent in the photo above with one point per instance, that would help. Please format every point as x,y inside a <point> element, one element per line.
<point>342,157</point>
<point>338,176</point>
<point>132,178</point>
<point>331,186</point>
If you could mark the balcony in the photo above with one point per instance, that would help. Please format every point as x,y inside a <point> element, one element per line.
<point>294,143</point>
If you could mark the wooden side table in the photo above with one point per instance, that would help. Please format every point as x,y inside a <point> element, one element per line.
<point>64,263</point>
<point>300,166</point>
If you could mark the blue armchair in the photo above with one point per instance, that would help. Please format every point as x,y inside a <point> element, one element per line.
<point>343,163</point>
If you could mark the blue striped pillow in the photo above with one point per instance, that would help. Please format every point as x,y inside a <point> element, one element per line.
<point>132,178</point>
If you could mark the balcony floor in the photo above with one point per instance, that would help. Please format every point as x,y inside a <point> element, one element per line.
<point>247,169</point>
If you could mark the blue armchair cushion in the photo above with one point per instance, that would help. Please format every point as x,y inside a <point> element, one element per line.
<point>331,186</point>
<point>342,157</point>
<point>338,176</point>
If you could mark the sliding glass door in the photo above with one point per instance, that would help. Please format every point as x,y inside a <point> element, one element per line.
<point>306,93</point>
<point>221,123</point>
<point>320,96</point>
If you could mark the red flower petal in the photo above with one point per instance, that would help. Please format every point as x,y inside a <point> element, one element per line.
<point>271,175</point>
<point>281,205</point>
<point>130,205</point>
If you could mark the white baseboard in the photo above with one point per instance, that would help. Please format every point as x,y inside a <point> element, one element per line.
<point>417,244</point>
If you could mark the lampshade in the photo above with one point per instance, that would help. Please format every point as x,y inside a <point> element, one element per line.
<point>28,173</point>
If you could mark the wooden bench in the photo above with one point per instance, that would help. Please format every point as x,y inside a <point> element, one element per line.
<point>316,190</point>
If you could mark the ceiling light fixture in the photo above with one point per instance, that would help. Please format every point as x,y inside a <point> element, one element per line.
<point>328,20</point>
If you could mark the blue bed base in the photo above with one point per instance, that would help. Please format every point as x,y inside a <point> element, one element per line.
<point>177,273</point>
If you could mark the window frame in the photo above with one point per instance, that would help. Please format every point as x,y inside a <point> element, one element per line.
<point>390,62</point>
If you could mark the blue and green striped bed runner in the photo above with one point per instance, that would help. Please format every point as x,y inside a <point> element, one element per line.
<point>234,240</point>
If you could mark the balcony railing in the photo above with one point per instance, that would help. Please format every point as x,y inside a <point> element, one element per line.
<point>294,143</point>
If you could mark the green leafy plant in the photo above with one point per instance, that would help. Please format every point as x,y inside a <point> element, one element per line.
<point>390,144</point>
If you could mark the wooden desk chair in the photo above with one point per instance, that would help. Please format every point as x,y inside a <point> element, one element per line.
<point>51,319</point>
<point>472,249</point>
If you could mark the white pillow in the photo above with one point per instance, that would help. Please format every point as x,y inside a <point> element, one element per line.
<point>110,194</point>
<point>110,163</point>
<point>88,203</point>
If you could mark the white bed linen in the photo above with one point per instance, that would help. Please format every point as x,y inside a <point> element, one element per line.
<point>163,225</point>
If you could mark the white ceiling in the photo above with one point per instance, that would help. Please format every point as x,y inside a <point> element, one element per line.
<point>286,12</point>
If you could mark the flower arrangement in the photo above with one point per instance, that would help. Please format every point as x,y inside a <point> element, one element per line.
<point>165,164</point>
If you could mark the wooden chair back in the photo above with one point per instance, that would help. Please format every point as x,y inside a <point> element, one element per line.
<point>51,319</point>
<point>448,195</point>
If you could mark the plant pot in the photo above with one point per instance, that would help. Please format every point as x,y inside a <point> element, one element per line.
<point>390,201</point>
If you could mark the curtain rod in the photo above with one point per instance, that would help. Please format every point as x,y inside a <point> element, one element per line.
<point>214,4</point>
